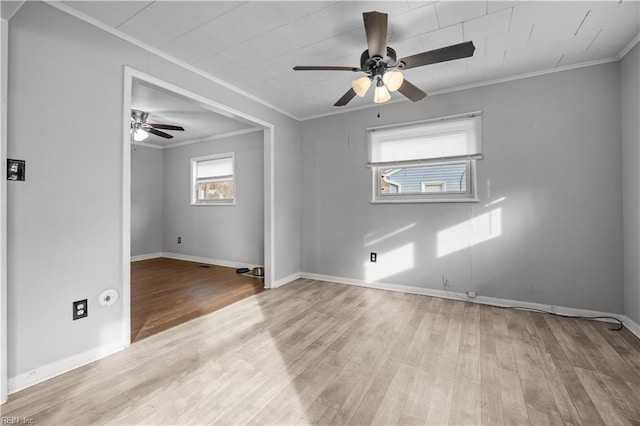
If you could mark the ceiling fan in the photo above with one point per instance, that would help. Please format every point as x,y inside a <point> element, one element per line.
<point>381,67</point>
<point>140,129</point>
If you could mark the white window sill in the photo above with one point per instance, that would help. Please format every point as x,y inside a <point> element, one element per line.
<point>440,200</point>
<point>232,203</point>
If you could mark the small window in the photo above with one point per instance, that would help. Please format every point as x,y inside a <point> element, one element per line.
<point>213,180</point>
<point>430,161</point>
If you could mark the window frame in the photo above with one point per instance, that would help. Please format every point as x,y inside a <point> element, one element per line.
<point>468,196</point>
<point>193,181</point>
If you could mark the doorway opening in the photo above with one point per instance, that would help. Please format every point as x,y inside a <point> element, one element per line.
<point>166,292</point>
<point>192,238</point>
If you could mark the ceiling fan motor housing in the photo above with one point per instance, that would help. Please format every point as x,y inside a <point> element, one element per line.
<point>375,66</point>
<point>139,116</point>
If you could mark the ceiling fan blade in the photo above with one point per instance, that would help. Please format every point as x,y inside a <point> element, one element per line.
<point>449,53</point>
<point>412,92</point>
<point>165,126</point>
<point>159,133</point>
<point>325,68</point>
<point>375,25</point>
<point>345,98</point>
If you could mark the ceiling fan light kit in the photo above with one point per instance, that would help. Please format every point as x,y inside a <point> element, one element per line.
<point>139,135</point>
<point>393,80</point>
<point>380,65</point>
<point>361,85</point>
<point>382,94</point>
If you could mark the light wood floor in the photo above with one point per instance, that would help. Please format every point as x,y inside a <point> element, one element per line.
<point>322,353</point>
<point>167,292</point>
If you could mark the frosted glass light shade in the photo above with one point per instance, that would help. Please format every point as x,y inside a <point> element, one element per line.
<point>140,135</point>
<point>382,94</point>
<point>393,80</point>
<point>361,85</point>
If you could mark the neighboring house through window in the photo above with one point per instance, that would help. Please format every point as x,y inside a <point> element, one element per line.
<point>213,179</point>
<point>427,161</point>
<point>434,186</point>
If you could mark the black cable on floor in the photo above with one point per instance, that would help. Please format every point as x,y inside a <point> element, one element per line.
<point>542,311</point>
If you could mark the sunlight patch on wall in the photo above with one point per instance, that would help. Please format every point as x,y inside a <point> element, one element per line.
<point>499,200</point>
<point>390,263</point>
<point>470,232</point>
<point>372,238</point>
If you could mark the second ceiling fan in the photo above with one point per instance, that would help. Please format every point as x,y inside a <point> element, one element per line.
<point>383,69</point>
<point>140,129</point>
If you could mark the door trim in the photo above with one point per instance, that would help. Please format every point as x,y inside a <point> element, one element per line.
<point>131,74</point>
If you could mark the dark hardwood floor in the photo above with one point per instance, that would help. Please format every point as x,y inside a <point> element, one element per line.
<point>167,292</point>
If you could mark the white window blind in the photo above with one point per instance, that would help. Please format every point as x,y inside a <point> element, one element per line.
<point>458,137</point>
<point>215,168</point>
<point>213,180</point>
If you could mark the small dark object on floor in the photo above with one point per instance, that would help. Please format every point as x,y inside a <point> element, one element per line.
<point>205,266</point>
<point>242,270</point>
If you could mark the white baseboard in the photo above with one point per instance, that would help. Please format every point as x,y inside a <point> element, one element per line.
<point>139,257</point>
<point>46,372</point>
<point>49,371</point>
<point>492,301</point>
<point>208,261</point>
<point>631,325</point>
<point>286,280</point>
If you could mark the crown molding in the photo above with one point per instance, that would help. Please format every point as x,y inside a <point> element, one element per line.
<point>203,139</point>
<point>213,138</point>
<point>8,9</point>
<point>473,86</point>
<point>60,6</point>
<point>94,22</point>
<point>629,46</point>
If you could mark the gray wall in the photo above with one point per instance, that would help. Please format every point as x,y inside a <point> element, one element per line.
<point>550,178</point>
<point>161,210</point>
<point>233,233</point>
<point>146,201</point>
<point>552,166</point>
<point>630,94</point>
<point>64,222</point>
<point>4,30</point>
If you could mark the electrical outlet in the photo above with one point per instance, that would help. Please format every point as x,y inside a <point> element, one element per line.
<point>374,257</point>
<point>446,280</point>
<point>179,240</point>
<point>471,294</point>
<point>80,309</point>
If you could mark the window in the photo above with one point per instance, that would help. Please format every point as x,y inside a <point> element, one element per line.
<point>212,180</point>
<point>428,161</point>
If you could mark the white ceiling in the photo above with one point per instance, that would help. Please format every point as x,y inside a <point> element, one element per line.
<point>253,45</point>
<point>164,107</point>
